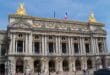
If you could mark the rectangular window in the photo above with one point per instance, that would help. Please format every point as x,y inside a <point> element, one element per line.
<point>19,46</point>
<point>3,49</point>
<point>76,49</point>
<point>64,47</point>
<point>37,47</point>
<point>87,48</point>
<point>51,47</point>
<point>100,47</point>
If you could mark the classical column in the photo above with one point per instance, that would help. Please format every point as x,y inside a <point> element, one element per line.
<point>23,46</point>
<point>69,46</point>
<point>72,46</point>
<point>30,43</point>
<point>96,43</point>
<point>26,44</point>
<point>82,45</point>
<point>43,45</point>
<point>93,45</point>
<point>59,45</point>
<point>13,43</point>
<point>56,42</point>
<point>105,46</point>
<point>10,44</point>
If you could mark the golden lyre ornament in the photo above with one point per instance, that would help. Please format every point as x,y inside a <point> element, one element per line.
<point>21,10</point>
<point>92,18</point>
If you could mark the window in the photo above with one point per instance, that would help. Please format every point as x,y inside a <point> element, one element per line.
<point>76,49</point>
<point>87,48</point>
<point>89,64</point>
<point>65,65</point>
<point>19,66</point>
<point>3,49</point>
<point>51,66</point>
<point>2,69</point>
<point>37,66</point>
<point>64,47</point>
<point>100,47</point>
<point>51,47</point>
<point>78,64</point>
<point>36,47</point>
<point>19,46</point>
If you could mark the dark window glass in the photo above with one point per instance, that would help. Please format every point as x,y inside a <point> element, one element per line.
<point>19,46</point>
<point>100,47</point>
<point>2,69</point>
<point>37,66</point>
<point>65,65</point>
<point>37,47</point>
<point>51,47</point>
<point>76,49</point>
<point>78,65</point>
<point>19,66</point>
<point>89,64</point>
<point>64,48</point>
<point>87,48</point>
<point>3,49</point>
<point>51,66</point>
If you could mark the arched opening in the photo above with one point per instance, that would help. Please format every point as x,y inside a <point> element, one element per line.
<point>78,64</point>
<point>2,69</point>
<point>65,65</point>
<point>89,64</point>
<point>19,66</point>
<point>37,66</point>
<point>51,66</point>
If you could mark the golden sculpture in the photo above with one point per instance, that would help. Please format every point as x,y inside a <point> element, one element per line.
<point>21,10</point>
<point>92,18</point>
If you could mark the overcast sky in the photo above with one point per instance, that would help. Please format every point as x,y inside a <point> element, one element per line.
<point>76,9</point>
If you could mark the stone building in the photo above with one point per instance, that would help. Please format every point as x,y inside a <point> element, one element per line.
<point>51,46</point>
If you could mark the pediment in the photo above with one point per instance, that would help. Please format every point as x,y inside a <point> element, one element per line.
<point>20,24</point>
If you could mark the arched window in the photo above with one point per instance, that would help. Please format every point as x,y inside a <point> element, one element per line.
<point>51,66</point>
<point>37,66</point>
<point>78,64</point>
<point>19,66</point>
<point>2,69</point>
<point>89,64</point>
<point>65,65</point>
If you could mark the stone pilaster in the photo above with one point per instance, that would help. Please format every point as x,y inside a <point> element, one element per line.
<point>59,64</point>
<point>28,65</point>
<point>44,67</point>
<point>84,63</point>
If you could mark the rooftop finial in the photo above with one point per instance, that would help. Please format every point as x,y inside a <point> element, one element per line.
<point>92,18</point>
<point>21,10</point>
